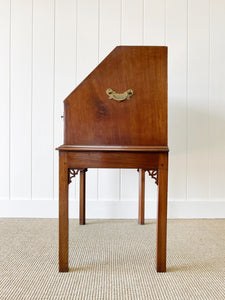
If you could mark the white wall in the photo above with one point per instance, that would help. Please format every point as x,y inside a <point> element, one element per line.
<point>48,46</point>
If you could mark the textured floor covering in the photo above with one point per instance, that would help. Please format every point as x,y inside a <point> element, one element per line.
<point>112,259</point>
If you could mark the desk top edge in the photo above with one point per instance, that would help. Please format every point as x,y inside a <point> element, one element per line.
<point>113,148</point>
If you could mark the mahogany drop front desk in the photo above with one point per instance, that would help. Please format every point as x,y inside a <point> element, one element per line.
<point>117,118</point>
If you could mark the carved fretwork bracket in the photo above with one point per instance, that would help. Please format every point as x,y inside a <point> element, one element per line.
<point>153,174</point>
<point>73,172</point>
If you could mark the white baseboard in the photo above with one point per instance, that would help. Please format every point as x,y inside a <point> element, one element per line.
<point>111,209</point>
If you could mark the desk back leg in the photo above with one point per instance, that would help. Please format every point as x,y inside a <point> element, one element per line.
<point>141,212</point>
<point>63,212</point>
<point>82,195</point>
<point>162,214</point>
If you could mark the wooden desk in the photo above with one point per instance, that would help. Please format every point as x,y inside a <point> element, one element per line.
<point>117,118</point>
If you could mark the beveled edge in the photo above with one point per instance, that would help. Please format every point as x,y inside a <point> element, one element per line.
<point>113,148</point>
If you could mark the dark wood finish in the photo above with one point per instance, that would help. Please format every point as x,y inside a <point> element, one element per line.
<point>112,160</point>
<point>82,195</point>
<point>63,212</point>
<point>92,119</point>
<point>162,214</point>
<point>103,133</point>
<point>141,211</point>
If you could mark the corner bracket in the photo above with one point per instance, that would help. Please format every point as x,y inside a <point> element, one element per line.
<point>153,174</point>
<point>73,172</point>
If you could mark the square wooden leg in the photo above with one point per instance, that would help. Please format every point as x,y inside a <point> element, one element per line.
<point>82,195</point>
<point>141,212</point>
<point>162,214</point>
<point>63,212</point>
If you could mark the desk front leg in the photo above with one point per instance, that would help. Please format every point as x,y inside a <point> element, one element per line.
<point>63,212</point>
<point>162,214</point>
<point>141,207</point>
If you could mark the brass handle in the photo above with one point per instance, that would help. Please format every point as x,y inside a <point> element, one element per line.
<point>119,97</point>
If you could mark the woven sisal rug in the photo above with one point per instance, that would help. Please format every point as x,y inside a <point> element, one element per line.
<point>112,259</point>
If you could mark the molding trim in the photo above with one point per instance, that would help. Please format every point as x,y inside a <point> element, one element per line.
<point>109,209</point>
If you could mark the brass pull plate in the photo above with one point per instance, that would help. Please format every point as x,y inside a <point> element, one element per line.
<point>119,97</point>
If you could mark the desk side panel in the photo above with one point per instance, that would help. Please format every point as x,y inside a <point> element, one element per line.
<point>91,118</point>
